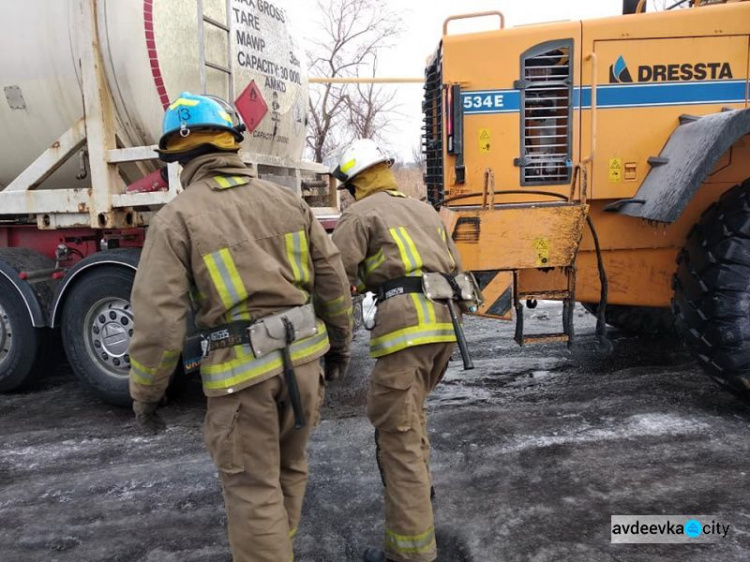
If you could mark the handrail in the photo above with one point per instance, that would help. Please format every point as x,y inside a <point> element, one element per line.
<point>594,68</point>
<point>641,7</point>
<point>474,15</point>
<point>373,80</point>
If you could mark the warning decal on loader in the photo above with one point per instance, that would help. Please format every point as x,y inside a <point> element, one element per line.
<point>541,246</point>
<point>615,170</point>
<point>484,140</point>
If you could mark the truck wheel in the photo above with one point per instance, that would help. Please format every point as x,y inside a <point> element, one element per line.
<point>642,320</point>
<point>711,301</point>
<point>97,324</point>
<point>20,342</point>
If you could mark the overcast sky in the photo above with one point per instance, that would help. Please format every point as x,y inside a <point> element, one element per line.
<point>423,22</point>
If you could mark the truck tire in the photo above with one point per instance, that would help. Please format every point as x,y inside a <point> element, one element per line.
<point>711,302</point>
<point>640,320</point>
<point>97,324</point>
<point>20,342</point>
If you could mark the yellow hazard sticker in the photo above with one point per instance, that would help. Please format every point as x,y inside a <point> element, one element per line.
<point>615,170</point>
<point>541,247</point>
<point>484,140</point>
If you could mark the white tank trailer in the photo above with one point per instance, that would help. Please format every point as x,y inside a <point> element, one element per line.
<point>84,87</point>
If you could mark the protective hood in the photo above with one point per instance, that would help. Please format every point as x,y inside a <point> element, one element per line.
<point>179,147</point>
<point>377,178</point>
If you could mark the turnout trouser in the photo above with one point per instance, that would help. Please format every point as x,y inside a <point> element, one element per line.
<point>399,386</point>
<point>262,462</point>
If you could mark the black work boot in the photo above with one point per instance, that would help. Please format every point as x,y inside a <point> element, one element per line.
<point>375,555</point>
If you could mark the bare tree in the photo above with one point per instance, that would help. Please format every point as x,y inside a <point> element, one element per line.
<point>351,32</point>
<point>368,107</point>
<point>417,155</point>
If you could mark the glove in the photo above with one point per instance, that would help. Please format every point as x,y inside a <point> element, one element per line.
<point>335,366</point>
<point>146,418</point>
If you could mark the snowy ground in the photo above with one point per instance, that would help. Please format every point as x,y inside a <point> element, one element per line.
<point>532,453</point>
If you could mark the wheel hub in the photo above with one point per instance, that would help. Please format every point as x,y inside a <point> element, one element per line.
<point>5,335</point>
<point>109,327</point>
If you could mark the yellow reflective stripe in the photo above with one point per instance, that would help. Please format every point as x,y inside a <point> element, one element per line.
<point>239,312</point>
<point>410,544</point>
<point>196,295</point>
<point>419,305</point>
<point>374,262</point>
<point>247,367</point>
<point>222,181</point>
<point>226,117</point>
<point>346,166</point>
<point>225,182</point>
<point>413,250</point>
<point>297,253</point>
<point>425,308</point>
<point>408,337</point>
<point>292,532</point>
<point>409,254</point>
<point>444,236</point>
<point>336,306</point>
<point>142,374</point>
<point>147,375</point>
<point>396,193</point>
<point>184,101</point>
<point>361,287</point>
<point>226,278</point>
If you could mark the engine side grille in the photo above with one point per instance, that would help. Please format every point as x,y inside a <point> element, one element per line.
<point>432,135</point>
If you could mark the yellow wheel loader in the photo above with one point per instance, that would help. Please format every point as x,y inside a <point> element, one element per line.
<point>605,162</point>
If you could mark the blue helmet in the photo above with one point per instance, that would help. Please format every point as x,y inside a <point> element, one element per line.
<point>190,111</point>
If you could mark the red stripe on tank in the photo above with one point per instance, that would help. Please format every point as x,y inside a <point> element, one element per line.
<point>148,27</point>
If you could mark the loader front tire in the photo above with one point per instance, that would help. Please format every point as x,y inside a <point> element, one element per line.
<point>711,302</point>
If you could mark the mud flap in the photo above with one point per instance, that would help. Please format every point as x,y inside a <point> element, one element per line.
<point>691,153</point>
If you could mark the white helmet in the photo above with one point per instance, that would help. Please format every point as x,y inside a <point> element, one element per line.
<point>356,158</point>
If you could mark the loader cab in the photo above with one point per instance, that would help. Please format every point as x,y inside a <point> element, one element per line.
<point>503,101</point>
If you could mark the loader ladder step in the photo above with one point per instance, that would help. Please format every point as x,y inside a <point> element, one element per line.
<point>567,296</point>
<point>546,338</point>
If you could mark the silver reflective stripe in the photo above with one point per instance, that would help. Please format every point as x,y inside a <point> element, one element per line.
<point>405,340</point>
<point>410,544</point>
<point>224,375</point>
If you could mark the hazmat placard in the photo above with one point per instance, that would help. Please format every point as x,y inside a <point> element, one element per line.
<point>484,140</point>
<point>615,170</point>
<point>541,246</point>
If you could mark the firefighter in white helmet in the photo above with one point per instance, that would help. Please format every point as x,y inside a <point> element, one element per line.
<point>388,241</point>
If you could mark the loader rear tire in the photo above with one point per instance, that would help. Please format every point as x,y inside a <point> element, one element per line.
<point>711,301</point>
<point>640,320</point>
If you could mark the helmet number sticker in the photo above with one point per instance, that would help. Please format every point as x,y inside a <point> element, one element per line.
<point>184,114</point>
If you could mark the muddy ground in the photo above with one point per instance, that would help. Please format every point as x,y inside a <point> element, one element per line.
<point>532,453</point>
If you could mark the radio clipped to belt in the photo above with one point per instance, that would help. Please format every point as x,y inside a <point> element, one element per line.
<point>275,332</point>
<point>449,289</point>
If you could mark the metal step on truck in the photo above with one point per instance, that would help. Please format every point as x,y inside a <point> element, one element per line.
<point>85,84</point>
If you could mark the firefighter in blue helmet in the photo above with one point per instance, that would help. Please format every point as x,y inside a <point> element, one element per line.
<point>270,297</point>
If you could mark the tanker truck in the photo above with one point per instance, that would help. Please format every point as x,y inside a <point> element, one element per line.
<point>85,84</point>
